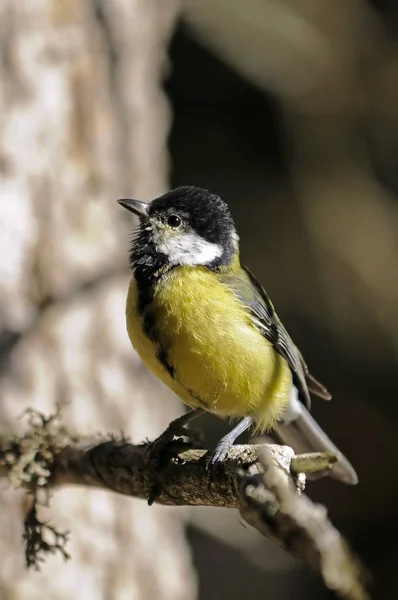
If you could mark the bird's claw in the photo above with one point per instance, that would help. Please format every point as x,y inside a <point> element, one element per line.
<point>216,459</point>
<point>175,439</point>
<point>170,443</point>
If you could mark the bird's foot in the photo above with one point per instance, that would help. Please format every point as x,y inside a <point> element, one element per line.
<point>217,458</point>
<point>215,462</point>
<point>170,443</point>
<point>175,439</point>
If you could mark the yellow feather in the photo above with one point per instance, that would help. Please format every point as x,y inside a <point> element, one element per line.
<point>221,361</point>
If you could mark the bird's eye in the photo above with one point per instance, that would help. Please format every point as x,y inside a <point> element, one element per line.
<point>174,221</point>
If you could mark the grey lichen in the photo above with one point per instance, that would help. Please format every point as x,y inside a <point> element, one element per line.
<point>264,481</point>
<point>28,461</point>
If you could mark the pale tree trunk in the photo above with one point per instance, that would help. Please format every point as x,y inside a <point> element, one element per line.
<point>83,122</point>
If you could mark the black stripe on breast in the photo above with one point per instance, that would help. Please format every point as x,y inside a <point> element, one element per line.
<point>145,296</point>
<point>198,399</point>
<point>163,358</point>
<point>144,309</point>
<point>149,327</point>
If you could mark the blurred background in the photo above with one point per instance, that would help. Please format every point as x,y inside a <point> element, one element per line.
<point>288,110</point>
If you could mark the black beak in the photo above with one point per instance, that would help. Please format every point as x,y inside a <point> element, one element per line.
<point>135,206</point>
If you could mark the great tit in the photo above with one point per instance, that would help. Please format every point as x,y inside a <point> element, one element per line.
<point>202,323</point>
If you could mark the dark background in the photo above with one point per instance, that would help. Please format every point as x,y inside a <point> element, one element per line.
<point>230,136</point>
<point>289,110</point>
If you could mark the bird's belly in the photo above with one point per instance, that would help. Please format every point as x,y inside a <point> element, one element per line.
<point>215,357</point>
<point>232,375</point>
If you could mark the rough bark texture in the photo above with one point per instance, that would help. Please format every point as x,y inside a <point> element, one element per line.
<point>264,482</point>
<point>83,121</point>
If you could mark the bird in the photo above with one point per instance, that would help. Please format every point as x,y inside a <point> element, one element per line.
<point>203,324</point>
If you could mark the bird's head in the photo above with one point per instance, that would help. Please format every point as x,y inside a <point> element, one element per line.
<point>186,226</point>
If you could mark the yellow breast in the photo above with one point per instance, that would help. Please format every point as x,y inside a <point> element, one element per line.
<point>219,359</point>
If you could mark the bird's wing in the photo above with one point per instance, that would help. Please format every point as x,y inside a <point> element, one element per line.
<point>298,429</point>
<point>253,295</point>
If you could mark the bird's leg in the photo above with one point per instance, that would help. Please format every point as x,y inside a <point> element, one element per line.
<point>218,455</point>
<point>160,451</point>
<point>162,448</point>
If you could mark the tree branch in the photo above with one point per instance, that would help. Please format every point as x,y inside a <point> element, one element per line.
<point>264,482</point>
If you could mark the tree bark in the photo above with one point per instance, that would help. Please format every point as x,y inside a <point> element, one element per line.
<point>83,121</point>
<point>264,482</point>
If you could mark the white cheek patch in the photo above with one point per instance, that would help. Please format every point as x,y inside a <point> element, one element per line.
<point>186,248</point>
<point>235,239</point>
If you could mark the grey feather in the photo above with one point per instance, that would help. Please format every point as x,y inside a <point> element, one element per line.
<point>300,431</point>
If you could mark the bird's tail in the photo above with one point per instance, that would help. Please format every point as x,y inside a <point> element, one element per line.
<point>300,431</point>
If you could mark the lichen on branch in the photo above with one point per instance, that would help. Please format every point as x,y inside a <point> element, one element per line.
<point>264,482</point>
